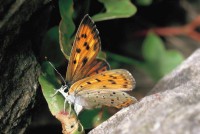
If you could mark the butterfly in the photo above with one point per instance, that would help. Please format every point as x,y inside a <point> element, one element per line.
<point>90,82</point>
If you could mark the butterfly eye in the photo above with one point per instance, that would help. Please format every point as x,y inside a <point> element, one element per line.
<point>65,90</point>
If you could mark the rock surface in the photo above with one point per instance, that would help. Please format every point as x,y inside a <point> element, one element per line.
<point>172,106</point>
<point>22,24</point>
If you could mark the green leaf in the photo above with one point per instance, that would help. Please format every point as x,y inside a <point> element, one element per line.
<point>153,48</point>
<point>144,2</point>
<point>115,9</point>
<point>50,47</point>
<point>172,60</point>
<point>101,55</point>
<point>92,118</point>
<point>116,59</point>
<point>48,83</point>
<point>67,11</point>
<point>158,60</point>
<point>66,26</point>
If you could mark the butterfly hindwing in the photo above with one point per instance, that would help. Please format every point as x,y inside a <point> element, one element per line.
<point>84,51</point>
<point>118,79</point>
<point>110,98</point>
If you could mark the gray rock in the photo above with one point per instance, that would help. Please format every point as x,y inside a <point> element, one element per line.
<point>172,106</point>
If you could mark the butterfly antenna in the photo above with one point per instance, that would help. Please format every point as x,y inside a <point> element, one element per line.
<point>57,72</point>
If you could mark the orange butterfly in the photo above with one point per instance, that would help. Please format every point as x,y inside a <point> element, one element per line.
<point>89,84</point>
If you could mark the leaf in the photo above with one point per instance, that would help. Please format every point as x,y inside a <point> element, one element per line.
<point>116,59</point>
<point>92,118</point>
<point>115,9</point>
<point>172,60</point>
<point>153,48</point>
<point>50,47</point>
<point>48,83</point>
<point>158,60</point>
<point>144,2</point>
<point>101,55</point>
<point>66,26</point>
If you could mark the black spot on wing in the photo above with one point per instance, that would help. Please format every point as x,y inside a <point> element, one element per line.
<point>78,50</point>
<point>85,59</point>
<point>112,81</point>
<point>98,80</point>
<point>125,86</point>
<point>87,47</point>
<point>85,44</point>
<point>88,82</point>
<point>84,35</point>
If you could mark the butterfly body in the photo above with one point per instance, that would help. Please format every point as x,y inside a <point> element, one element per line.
<point>92,84</point>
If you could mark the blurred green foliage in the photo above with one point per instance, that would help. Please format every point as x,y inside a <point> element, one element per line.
<point>157,60</point>
<point>144,2</point>
<point>93,118</point>
<point>66,26</point>
<point>115,9</point>
<point>51,42</point>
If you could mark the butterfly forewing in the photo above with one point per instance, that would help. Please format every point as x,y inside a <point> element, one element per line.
<point>84,51</point>
<point>110,98</point>
<point>118,79</point>
<point>97,66</point>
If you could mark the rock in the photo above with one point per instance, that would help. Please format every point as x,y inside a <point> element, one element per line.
<point>22,25</point>
<point>172,106</point>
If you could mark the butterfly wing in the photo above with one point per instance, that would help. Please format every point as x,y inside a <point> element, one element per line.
<point>84,51</point>
<point>97,66</point>
<point>97,98</point>
<point>118,80</point>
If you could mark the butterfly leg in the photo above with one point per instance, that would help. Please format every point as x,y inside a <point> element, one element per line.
<point>70,107</point>
<point>101,112</point>
<point>65,104</point>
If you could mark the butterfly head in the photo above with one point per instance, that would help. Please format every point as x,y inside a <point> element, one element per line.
<point>63,90</point>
